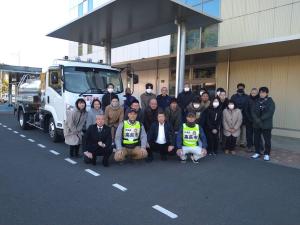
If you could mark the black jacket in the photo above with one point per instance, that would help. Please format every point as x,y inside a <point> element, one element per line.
<point>241,101</point>
<point>185,98</point>
<point>106,100</point>
<point>150,116</point>
<point>248,113</point>
<point>262,113</point>
<point>153,133</point>
<point>92,137</point>
<point>213,118</point>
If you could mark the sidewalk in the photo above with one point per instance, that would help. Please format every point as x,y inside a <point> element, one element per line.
<point>5,108</point>
<point>285,151</point>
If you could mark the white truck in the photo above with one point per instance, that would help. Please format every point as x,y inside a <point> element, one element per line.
<point>42,101</point>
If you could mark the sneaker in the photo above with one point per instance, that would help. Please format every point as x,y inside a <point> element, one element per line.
<point>193,159</point>
<point>255,156</point>
<point>226,152</point>
<point>182,160</point>
<point>242,146</point>
<point>233,152</point>
<point>267,158</point>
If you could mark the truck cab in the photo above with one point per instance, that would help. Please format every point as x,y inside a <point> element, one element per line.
<point>60,87</point>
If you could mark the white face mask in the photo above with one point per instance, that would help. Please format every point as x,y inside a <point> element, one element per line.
<point>218,93</point>
<point>110,90</point>
<point>231,106</point>
<point>149,91</point>
<point>215,104</point>
<point>186,89</point>
<point>196,105</point>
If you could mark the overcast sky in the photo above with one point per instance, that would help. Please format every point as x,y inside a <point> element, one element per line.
<point>23,28</point>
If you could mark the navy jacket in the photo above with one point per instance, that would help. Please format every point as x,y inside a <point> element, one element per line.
<point>153,133</point>
<point>163,101</point>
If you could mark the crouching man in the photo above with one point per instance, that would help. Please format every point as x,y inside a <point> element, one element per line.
<point>191,139</point>
<point>98,142</point>
<point>130,139</point>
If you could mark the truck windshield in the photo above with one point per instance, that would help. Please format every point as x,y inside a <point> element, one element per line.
<point>91,80</point>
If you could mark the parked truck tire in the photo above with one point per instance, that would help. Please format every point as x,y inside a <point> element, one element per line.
<point>23,118</point>
<point>52,130</point>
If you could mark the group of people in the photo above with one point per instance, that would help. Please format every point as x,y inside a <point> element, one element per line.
<point>191,125</point>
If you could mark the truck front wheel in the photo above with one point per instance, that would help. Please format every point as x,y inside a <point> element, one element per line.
<point>53,131</point>
<point>23,118</point>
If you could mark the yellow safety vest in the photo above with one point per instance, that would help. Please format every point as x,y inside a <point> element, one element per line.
<point>190,135</point>
<point>131,133</point>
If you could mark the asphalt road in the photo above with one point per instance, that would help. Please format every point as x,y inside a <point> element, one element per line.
<point>38,187</point>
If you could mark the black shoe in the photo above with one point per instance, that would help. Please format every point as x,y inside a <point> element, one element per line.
<point>163,157</point>
<point>149,159</point>
<point>105,163</point>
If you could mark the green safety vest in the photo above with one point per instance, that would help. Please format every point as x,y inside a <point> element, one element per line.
<point>131,133</point>
<point>190,135</point>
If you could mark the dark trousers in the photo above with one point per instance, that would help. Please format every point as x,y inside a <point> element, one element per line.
<point>213,142</point>
<point>105,152</point>
<point>74,150</point>
<point>161,149</point>
<point>267,134</point>
<point>230,142</point>
<point>250,137</point>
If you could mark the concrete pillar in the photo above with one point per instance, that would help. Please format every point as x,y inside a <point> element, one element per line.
<point>108,52</point>
<point>180,60</point>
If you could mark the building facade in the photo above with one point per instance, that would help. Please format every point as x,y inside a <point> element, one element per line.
<point>247,24</point>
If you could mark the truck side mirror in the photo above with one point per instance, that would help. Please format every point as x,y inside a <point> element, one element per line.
<point>54,78</point>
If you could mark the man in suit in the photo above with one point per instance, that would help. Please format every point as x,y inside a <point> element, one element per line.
<point>160,138</point>
<point>98,142</point>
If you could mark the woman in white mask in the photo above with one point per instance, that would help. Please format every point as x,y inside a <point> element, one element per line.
<point>232,121</point>
<point>212,126</point>
<point>107,97</point>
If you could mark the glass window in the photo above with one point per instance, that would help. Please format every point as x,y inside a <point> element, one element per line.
<point>192,41</point>
<point>80,9</point>
<point>85,7</point>
<point>55,80</point>
<point>91,80</point>
<point>200,73</point>
<point>90,5</point>
<point>80,49</point>
<point>89,49</point>
<point>210,36</point>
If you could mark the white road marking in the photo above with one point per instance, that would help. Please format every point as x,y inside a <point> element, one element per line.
<point>54,152</point>
<point>120,187</point>
<point>22,135</point>
<point>92,172</point>
<point>42,146</point>
<point>0,124</point>
<point>4,125</point>
<point>16,132</point>
<point>165,211</point>
<point>31,140</point>
<point>70,161</point>
<point>9,128</point>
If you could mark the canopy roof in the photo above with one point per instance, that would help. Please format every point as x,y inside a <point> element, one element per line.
<point>126,22</point>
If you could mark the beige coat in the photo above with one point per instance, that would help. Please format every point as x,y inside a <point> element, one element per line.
<point>73,127</point>
<point>232,119</point>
